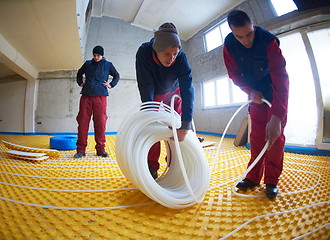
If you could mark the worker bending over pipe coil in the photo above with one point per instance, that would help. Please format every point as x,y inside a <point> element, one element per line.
<point>186,179</point>
<point>249,169</point>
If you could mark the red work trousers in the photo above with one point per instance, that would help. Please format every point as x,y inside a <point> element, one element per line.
<point>96,106</point>
<point>271,164</point>
<point>154,151</point>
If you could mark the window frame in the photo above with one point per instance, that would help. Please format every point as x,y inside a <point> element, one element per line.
<point>217,105</point>
<point>304,30</point>
<point>223,21</point>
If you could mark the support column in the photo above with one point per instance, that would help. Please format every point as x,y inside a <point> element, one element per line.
<point>30,105</point>
<point>16,62</point>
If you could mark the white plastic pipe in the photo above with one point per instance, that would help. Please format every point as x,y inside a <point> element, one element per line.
<point>186,181</point>
<point>221,140</point>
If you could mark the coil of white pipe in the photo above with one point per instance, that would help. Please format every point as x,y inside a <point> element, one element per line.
<point>182,184</point>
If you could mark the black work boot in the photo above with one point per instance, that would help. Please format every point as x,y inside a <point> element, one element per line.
<point>103,154</point>
<point>271,190</point>
<point>79,155</point>
<point>152,171</point>
<point>200,139</point>
<point>245,184</point>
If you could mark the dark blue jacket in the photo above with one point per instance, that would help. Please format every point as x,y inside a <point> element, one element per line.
<point>96,73</point>
<point>253,62</point>
<point>153,78</point>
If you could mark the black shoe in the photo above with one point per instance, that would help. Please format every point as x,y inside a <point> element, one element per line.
<point>271,191</point>
<point>103,154</point>
<point>79,155</point>
<point>153,172</point>
<point>200,139</point>
<point>246,183</point>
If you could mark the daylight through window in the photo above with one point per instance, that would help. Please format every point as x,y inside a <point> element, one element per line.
<point>283,6</point>
<point>221,92</point>
<point>216,36</point>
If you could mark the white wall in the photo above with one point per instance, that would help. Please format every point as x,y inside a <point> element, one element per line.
<point>121,101</point>
<point>58,103</point>
<point>59,94</point>
<point>81,6</point>
<point>210,65</point>
<point>12,96</point>
<point>120,40</point>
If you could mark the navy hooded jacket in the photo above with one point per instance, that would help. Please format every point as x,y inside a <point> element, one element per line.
<point>154,78</point>
<point>96,73</point>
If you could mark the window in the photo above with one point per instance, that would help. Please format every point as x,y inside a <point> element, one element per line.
<point>215,37</point>
<point>302,115</point>
<point>303,103</point>
<point>283,6</point>
<point>320,43</point>
<point>209,93</point>
<point>222,92</point>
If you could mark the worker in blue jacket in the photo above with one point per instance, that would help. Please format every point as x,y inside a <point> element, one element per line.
<point>93,100</point>
<point>162,71</point>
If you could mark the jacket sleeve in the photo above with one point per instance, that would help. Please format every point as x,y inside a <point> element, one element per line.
<point>186,92</point>
<point>113,72</point>
<point>144,76</point>
<point>233,71</point>
<point>80,74</point>
<point>280,80</point>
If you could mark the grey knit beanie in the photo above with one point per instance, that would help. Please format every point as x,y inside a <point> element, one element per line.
<point>166,36</point>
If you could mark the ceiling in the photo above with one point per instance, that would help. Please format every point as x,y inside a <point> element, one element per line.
<point>42,35</point>
<point>189,16</point>
<point>38,35</point>
<point>5,71</point>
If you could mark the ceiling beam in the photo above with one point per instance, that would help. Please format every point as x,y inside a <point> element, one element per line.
<point>151,12</point>
<point>10,57</point>
<point>97,8</point>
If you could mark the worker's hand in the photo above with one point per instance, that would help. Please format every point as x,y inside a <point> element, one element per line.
<point>273,130</point>
<point>106,84</point>
<point>83,83</point>
<point>181,134</point>
<point>256,96</point>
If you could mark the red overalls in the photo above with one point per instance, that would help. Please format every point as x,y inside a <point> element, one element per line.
<point>271,163</point>
<point>154,151</point>
<point>272,160</point>
<point>97,106</point>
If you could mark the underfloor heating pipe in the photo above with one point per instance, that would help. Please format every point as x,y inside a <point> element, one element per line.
<point>183,184</point>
